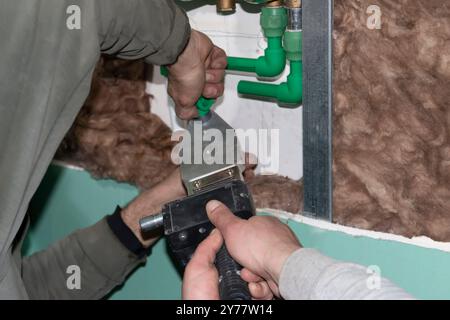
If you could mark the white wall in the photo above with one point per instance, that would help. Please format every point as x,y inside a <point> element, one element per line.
<point>240,35</point>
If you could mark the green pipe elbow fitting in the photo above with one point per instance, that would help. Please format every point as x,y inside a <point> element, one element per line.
<point>273,22</point>
<point>287,93</point>
<point>271,64</point>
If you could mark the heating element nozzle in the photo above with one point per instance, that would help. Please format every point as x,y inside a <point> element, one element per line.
<point>151,223</point>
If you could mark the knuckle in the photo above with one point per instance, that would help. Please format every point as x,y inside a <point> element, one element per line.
<point>184,101</point>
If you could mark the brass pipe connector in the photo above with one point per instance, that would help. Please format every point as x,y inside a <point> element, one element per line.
<point>293,3</point>
<point>226,6</point>
<point>275,3</point>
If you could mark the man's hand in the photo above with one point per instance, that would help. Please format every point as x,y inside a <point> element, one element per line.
<point>199,70</point>
<point>201,278</point>
<point>261,244</point>
<point>151,202</point>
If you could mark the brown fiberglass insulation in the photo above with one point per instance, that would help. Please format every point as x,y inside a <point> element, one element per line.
<point>115,135</point>
<point>392,117</point>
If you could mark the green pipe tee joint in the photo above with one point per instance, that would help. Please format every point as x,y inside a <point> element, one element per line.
<point>273,22</point>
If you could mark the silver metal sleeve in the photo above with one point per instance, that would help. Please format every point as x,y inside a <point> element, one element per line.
<point>294,19</point>
<point>151,223</point>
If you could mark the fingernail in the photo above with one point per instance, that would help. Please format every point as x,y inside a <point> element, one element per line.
<point>213,231</point>
<point>212,205</point>
<point>209,77</point>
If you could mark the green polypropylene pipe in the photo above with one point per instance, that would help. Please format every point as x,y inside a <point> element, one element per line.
<point>272,63</point>
<point>241,64</point>
<point>289,92</point>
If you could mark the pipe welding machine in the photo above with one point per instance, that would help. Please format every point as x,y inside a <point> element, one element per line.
<point>185,221</point>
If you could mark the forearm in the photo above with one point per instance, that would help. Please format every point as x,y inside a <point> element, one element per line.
<point>307,274</point>
<point>106,252</point>
<point>150,202</point>
<point>103,261</point>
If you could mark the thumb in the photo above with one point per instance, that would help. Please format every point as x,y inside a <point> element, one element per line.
<point>221,216</point>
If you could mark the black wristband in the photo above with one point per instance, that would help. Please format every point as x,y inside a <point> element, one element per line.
<point>125,235</point>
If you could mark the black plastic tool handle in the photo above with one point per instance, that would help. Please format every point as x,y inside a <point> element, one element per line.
<point>186,225</point>
<point>231,285</point>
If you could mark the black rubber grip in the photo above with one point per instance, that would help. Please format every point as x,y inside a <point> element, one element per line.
<point>231,285</point>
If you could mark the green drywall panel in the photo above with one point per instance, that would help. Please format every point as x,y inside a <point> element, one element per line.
<point>70,199</point>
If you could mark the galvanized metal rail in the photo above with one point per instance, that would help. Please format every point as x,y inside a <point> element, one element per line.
<point>317,108</point>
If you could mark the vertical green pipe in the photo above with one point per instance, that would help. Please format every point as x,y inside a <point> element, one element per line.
<point>275,42</point>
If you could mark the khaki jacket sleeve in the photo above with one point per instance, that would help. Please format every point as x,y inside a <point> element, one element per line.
<point>156,30</point>
<point>94,253</point>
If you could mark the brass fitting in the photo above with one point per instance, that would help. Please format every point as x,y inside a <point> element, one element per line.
<point>274,3</point>
<point>226,6</point>
<point>293,3</point>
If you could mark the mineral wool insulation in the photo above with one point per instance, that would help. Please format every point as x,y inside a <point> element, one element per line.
<point>391,136</point>
<point>391,123</point>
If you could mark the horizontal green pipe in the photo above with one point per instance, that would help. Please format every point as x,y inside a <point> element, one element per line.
<point>289,92</point>
<point>241,64</point>
<point>258,89</point>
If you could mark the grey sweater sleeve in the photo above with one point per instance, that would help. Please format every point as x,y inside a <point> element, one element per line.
<point>307,274</point>
<point>103,263</point>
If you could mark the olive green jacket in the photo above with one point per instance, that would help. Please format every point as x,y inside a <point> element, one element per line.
<point>47,60</point>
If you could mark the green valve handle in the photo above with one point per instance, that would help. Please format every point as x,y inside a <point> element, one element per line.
<point>203,104</point>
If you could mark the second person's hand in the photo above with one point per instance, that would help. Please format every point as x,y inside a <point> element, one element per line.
<point>261,244</point>
<point>201,278</point>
